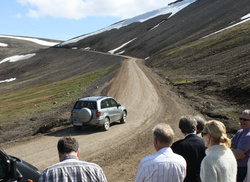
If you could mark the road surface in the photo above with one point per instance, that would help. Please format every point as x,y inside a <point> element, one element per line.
<point>119,150</point>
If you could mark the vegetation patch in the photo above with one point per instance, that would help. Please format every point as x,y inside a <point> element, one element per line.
<point>184,81</point>
<point>28,102</point>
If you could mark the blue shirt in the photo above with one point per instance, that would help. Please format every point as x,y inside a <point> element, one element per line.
<point>241,140</point>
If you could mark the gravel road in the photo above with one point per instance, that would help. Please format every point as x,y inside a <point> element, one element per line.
<point>119,150</point>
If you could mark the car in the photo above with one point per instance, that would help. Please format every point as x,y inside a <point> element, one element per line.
<point>15,169</point>
<point>97,111</point>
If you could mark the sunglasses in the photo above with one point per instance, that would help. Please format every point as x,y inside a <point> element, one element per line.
<point>244,119</point>
<point>203,134</point>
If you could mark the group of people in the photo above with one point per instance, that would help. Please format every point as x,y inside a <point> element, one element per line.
<point>205,154</point>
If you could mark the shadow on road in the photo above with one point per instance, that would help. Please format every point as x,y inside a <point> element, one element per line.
<point>85,130</point>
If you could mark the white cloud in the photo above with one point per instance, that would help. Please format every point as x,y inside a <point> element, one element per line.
<point>77,9</point>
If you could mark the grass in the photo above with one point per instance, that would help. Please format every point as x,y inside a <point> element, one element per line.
<point>28,102</point>
<point>180,82</point>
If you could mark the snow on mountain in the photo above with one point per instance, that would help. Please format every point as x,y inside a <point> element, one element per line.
<point>37,41</point>
<point>3,45</point>
<point>172,9</point>
<point>244,19</point>
<point>114,50</point>
<point>17,58</point>
<point>8,80</point>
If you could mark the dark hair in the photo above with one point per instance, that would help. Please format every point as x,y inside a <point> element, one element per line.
<point>187,124</point>
<point>67,145</point>
<point>164,133</point>
<point>200,123</point>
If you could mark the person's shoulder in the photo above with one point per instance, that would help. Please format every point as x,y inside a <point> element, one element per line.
<point>248,132</point>
<point>245,133</point>
<point>178,159</point>
<point>89,164</point>
<point>148,158</point>
<point>197,138</point>
<point>239,132</point>
<point>177,143</point>
<point>190,139</point>
<point>193,137</point>
<point>56,165</point>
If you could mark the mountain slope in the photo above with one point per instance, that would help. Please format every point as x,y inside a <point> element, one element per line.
<point>211,73</point>
<point>191,52</point>
<point>191,23</point>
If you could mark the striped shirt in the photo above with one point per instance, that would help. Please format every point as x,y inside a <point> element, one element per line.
<point>163,166</point>
<point>70,169</point>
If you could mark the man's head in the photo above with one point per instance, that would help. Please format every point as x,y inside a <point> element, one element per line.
<point>67,146</point>
<point>187,124</point>
<point>245,120</point>
<point>163,136</point>
<point>200,123</point>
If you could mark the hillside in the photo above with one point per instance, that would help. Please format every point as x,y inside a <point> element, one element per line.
<point>47,85</point>
<point>211,73</point>
<point>189,65</point>
<point>209,69</point>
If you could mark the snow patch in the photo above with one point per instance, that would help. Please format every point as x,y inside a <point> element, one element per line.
<point>37,41</point>
<point>120,53</point>
<point>17,58</point>
<point>172,9</point>
<point>114,50</point>
<point>8,80</point>
<point>244,19</point>
<point>3,45</point>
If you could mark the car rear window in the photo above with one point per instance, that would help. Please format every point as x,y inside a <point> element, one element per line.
<point>82,104</point>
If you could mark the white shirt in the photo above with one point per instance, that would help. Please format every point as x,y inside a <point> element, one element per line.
<point>163,166</point>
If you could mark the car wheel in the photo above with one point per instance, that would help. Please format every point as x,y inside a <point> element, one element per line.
<point>106,124</point>
<point>124,117</point>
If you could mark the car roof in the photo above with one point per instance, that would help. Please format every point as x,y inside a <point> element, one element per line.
<point>94,98</point>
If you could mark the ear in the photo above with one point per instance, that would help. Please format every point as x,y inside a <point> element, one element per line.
<point>155,140</point>
<point>78,153</point>
<point>60,156</point>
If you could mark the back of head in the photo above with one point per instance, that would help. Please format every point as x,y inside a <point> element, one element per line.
<point>217,131</point>
<point>187,124</point>
<point>200,123</point>
<point>67,145</point>
<point>164,134</point>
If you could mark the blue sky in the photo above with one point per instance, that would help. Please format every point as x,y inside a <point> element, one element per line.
<point>66,19</point>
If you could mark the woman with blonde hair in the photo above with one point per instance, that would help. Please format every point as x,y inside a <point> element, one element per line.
<point>219,165</point>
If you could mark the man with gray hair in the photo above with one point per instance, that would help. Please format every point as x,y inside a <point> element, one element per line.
<point>241,145</point>
<point>164,166</point>
<point>192,148</point>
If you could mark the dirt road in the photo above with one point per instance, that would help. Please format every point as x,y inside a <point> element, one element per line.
<point>119,150</point>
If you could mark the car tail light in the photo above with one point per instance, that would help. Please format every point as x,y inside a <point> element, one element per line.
<point>71,112</point>
<point>98,113</point>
